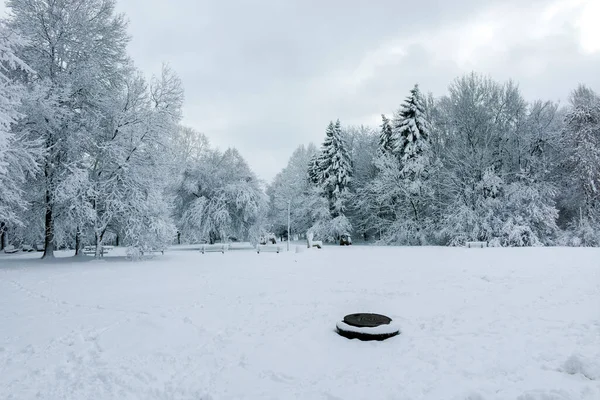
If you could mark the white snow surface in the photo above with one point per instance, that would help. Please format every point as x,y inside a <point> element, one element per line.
<point>475,324</point>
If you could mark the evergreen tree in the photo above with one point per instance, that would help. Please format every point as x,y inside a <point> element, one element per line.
<point>402,190</point>
<point>313,169</point>
<point>334,168</point>
<point>387,142</point>
<point>411,127</point>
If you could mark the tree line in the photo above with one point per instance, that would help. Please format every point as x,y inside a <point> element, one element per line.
<point>477,164</point>
<point>93,152</point>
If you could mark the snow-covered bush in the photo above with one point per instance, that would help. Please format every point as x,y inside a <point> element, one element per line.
<point>330,230</point>
<point>582,233</point>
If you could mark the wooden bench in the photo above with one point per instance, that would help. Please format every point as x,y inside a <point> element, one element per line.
<point>268,248</point>
<point>150,251</point>
<point>313,243</point>
<point>479,245</point>
<point>91,250</point>
<point>10,249</point>
<point>222,247</point>
<point>27,248</point>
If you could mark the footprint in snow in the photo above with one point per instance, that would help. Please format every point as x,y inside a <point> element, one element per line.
<point>282,378</point>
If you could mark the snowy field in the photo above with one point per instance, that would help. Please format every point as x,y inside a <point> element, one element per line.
<point>476,324</point>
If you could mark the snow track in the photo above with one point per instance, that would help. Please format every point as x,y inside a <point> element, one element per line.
<point>476,324</point>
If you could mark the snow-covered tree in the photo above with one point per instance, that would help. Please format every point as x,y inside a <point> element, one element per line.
<point>290,187</point>
<point>400,196</point>
<point>313,169</point>
<point>399,204</point>
<point>334,168</point>
<point>188,146</point>
<point>411,127</point>
<point>77,50</point>
<point>493,185</point>
<point>330,172</point>
<point>17,154</point>
<point>387,140</point>
<point>414,150</point>
<point>221,198</point>
<point>363,147</point>
<point>582,184</point>
<point>187,150</point>
<point>130,161</point>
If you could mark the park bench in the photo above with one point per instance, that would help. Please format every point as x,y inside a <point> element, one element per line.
<point>91,250</point>
<point>476,244</point>
<point>268,248</point>
<point>27,248</point>
<point>219,247</point>
<point>150,251</point>
<point>10,249</point>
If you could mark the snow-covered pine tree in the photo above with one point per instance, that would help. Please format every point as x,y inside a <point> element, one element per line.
<point>401,195</point>
<point>387,141</point>
<point>414,150</point>
<point>335,168</point>
<point>313,169</point>
<point>411,127</point>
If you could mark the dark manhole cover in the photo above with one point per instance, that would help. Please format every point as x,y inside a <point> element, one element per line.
<point>366,320</point>
<point>366,326</point>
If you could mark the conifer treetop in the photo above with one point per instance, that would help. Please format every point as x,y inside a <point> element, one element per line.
<point>410,125</point>
<point>387,141</point>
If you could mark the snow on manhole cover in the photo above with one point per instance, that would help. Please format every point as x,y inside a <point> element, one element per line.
<point>367,326</point>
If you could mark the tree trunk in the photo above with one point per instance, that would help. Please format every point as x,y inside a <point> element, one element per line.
<point>178,237</point>
<point>98,253</point>
<point>2,235</point>
<point>49,229</point>
<point>78,242</point>
<point>118,239</point>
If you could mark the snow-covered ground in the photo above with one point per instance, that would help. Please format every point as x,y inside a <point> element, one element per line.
<point>476,324</point>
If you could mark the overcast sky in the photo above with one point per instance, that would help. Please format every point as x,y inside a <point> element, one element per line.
<point>267,75</point>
